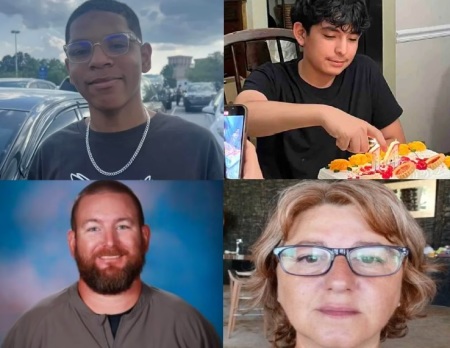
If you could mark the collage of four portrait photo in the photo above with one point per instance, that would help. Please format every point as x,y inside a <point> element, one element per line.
<point>224,173</point>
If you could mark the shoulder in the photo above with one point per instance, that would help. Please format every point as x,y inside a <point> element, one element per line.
<point>170,126</point>
<point>363,63</point>
<point>181,319</point>
<point>170,302</point>
<point>277,68</point>
<point>30,324</point>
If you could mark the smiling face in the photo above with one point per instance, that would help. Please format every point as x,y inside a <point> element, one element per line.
<point>108,245</point>
<point>107,83</point>
<point>327,50</point>
<point>338,309</point>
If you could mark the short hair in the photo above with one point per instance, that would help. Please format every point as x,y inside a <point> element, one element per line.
<point>343,14</point>
<point>106,6</point>
<point>102,186</point>
<point>384,213</point>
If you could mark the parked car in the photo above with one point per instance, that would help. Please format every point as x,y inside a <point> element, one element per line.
<point>150,96</point>
<point>66,85</point>
<point>26,83</point>
<point>198,95</point>
<point>27,118</point>
<point>215,109</point>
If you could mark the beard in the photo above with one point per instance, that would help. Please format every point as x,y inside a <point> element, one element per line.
<point>111,280</point>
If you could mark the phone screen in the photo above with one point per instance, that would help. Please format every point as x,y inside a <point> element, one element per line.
<point>234,139</point>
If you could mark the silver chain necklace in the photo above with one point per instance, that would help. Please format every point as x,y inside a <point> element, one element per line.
<point>125,167</point>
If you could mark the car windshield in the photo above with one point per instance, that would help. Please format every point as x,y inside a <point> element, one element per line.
<point>201,88</point>
<point>13,83</point>
<point>10,123</point>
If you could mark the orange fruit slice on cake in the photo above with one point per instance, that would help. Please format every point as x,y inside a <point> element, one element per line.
<point>435,161</point>
<point>404,170</point>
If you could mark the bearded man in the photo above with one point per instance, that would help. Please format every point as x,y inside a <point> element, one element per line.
<point>110,306</point>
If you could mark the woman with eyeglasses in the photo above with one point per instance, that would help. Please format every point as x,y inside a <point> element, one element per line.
<point>340,264</point>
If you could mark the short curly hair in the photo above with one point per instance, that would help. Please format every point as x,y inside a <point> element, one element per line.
<point>385,214</point>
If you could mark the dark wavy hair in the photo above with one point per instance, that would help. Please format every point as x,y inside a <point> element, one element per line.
<point>344,14</point>
<point>106,6</point>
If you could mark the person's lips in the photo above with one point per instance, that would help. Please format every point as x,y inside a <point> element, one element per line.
<point>337,62</point>
<point>103,82</point>
<point>337,311</point>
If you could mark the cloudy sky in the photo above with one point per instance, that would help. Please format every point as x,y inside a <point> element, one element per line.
<point>173,27</point>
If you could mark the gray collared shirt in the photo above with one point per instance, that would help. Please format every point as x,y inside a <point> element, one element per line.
<point>159,319</point>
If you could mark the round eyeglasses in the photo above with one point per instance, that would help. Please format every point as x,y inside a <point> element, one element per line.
<point>112,45</point>
<point>367,261</point>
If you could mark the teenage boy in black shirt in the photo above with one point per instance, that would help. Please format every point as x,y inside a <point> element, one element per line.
<point>309,111</point>
<point>121,139</point>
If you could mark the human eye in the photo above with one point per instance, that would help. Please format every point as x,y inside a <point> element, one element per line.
<point>371,259</point>
<point>310,258</point>
<point>117,42</point>
<point>79,49</point>
<point>329,36</point>
<point>92,229</point>
<point>123,227</point>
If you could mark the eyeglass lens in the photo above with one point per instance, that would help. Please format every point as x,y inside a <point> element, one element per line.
<point>367,261</point>
<point>112,45</point>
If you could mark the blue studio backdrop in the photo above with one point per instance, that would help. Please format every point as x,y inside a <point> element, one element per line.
<point>185,254</point>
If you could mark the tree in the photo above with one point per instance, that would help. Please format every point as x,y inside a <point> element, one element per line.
<point>167,72</point>
<point>208,69</point>
<point>29,67</point>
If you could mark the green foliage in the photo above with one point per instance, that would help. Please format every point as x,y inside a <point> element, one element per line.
<point>167,72</point>
<point>29,67</point>
<point>209,69</point>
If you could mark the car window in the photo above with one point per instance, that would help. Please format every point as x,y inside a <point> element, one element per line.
<point>63,119</point>
<point>10,124</point>
<point>33,85</point>
<point>21,84</point>
<point>45,85</point>
<point>148,91</point>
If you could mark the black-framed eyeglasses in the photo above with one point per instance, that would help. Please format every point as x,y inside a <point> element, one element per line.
<point>367,261</point>
<point>113,45</point>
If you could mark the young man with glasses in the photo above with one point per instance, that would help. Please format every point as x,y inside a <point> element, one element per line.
<point>121,139</point>
<point>110,306</point>
<point>308,111</point>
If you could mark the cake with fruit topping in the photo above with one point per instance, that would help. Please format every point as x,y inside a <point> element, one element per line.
<point>400,161</point>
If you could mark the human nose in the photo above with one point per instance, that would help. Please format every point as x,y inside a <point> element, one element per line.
<point>110,236</point>
<point>341,46</point>
<point>99,58</point>
<point>340,277</point>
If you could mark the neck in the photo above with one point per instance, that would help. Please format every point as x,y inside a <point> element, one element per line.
<point>310,75</point>
<point>130,115</point>
<point>307,342</point>
<point>110,304</point>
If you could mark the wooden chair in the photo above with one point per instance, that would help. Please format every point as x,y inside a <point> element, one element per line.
<point>237,281</point>
<point>256,51</point>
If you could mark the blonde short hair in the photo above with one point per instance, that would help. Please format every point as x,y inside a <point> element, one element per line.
<point>384,213</point>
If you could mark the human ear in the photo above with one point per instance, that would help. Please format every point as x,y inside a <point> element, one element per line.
<point>299,33</point>
<point>146,57</point>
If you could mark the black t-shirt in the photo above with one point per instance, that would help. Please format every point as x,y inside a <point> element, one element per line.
<point>360,90</point>
<point>174,149</point>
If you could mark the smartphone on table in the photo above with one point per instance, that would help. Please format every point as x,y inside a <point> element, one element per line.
<point>235,117</point>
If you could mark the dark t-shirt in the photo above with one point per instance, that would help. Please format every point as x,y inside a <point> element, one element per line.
<point>359,90</point>
<point>174,149</point>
